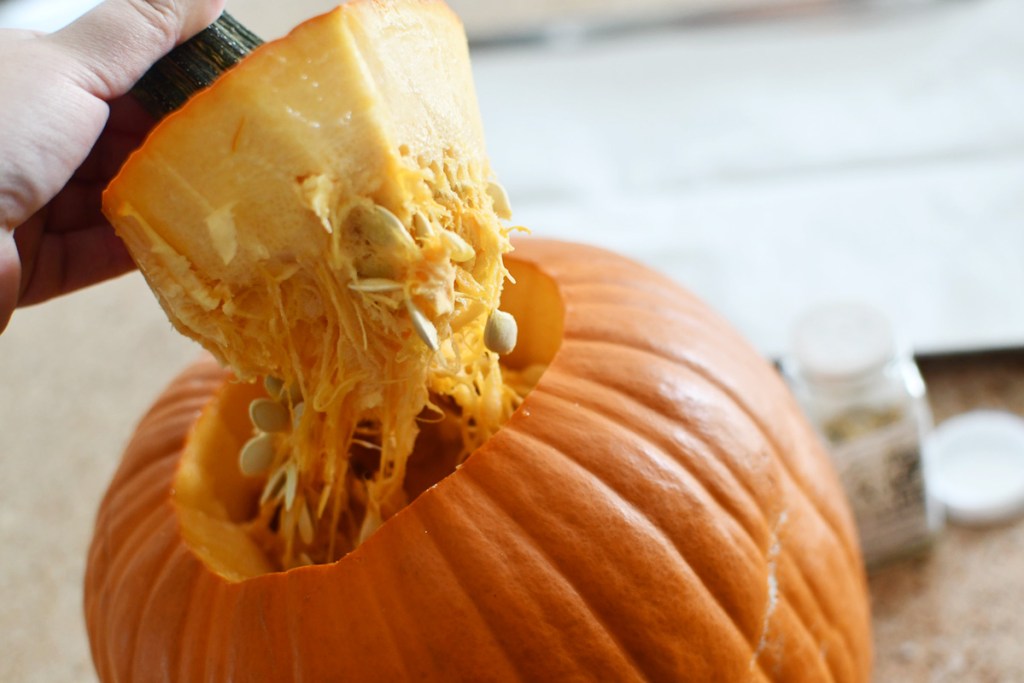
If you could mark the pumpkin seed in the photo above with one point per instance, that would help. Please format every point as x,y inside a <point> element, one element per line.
<point>306,529</point>
<point>291,484</point>
<point>373,285</point>
<point>297,413</point>
<point>293,393</point>
<point>459,249</point>
<point>274,386</point>
<point>422,226</point>
<point>424,328</point>
<point>257,455</point>
<point>501,332</point>
<point>499,197</point>
<point>268,415</point>
<point>393,226</point>
<point>277,390</point>
<point>273,488</point>
<point>371,522</point>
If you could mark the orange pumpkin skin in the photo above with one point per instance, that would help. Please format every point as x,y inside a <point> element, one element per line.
<point>657,509</point>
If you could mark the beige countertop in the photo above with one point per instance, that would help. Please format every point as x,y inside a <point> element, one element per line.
<point>955,613</point>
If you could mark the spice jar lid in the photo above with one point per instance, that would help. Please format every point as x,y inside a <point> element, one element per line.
<point>976,466</point>
<point>842,341</point>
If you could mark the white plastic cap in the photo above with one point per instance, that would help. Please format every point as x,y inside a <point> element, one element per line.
<point>976,466</point>
<point>842,341</point>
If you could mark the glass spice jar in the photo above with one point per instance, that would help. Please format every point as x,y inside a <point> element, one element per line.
<point>865,395</point>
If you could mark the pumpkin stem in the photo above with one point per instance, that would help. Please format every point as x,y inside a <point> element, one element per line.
<point>194,65</point>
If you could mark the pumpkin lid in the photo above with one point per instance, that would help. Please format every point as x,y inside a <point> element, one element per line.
<point>323,217</point>
<point>977,466</point>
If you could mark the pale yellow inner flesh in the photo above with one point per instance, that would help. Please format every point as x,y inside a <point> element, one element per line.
<point>219,507</point>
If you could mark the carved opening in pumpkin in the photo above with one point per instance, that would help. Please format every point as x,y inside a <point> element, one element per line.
<point>217,504</point>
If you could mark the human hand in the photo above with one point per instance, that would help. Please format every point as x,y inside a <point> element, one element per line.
<point>65,129</point>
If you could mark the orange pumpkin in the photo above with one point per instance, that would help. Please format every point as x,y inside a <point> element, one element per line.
<point>656,509</point>
<point>629,494</point>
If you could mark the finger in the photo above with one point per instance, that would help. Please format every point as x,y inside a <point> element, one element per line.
<point>115,43</point>
<point>123,134</point>
<point>70,261</point>
<point>10,277</point>
<point>78,206</point>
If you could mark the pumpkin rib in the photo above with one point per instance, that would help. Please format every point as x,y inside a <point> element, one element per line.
<point>798,596</point>
<point>573,335</point>
<point>842,538</point>
<point>196,631</point>
<point>279,595</point>
<point>294,642</point>
<point>754,552</point>
<point>467,521</point>
<point>683,314</point>
<point>813,659</point>
<point>118,563</point>
<point>613,659</point>
<point>275,615</point>
<point>170,572</point>
<point>743,534</point>
<point>717,497</point>
<point>720,331</point>
<point>769,439</point>
<point>128,527</point>
<point>152,553</point>
<point>643,437</point>
<point>234,663</point>
<point>106,536</point>
<point>785,601</point>
<point>714,449</point>
<point>819,597</point>
<point>430,536</point>
<point>163,442</point>
<point>826,620</point>
<point>785,598</point>
<point>388,627</point>
<point>660,534</point>
<point>148,489</point>
<point>623,651</point>
<point>308,610</point>
<point>223,607</point>
<point>818,601</point>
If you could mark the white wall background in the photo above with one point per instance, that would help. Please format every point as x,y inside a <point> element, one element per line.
<point>768,165</point>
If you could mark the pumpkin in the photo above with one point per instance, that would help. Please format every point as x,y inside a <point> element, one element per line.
<point>628,492</point>
<point>656,509</point>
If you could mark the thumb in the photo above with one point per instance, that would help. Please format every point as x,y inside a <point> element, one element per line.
<point>115,43</point>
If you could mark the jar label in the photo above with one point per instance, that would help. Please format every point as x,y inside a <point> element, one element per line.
<point>883,474</point>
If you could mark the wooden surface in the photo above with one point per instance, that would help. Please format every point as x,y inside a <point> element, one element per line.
<point>956,613</point>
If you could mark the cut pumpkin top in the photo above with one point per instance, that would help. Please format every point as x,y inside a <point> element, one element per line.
<point>324,215</point>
